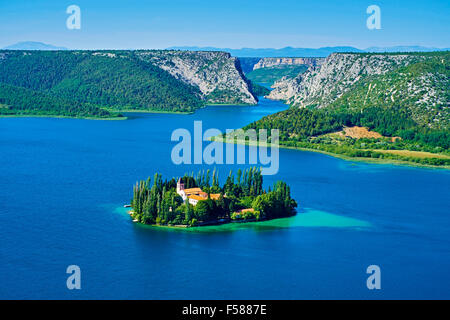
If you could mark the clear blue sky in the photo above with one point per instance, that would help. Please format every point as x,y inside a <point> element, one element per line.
<point>229,23</point>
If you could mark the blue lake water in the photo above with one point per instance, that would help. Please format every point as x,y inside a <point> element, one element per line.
<point>63,183</point>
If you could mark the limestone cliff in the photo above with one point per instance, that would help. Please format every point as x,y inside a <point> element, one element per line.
<point>216,74</point>
<point>416,83</point>
<point>323,84</point>
<point>272,62</point>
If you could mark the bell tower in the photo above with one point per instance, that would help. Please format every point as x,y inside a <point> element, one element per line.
<point>180,185</point>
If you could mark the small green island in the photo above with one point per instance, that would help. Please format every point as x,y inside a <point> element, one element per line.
<point>192,201</point>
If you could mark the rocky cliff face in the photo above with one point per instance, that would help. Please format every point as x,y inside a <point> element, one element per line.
<point>321,85</point>
<point>272,62</point>
<point>417,84</point>
<point>216,74</point>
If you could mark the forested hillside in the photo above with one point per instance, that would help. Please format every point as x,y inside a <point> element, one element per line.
<point>258,89</point>
<point>22,101</point>
<point>405,99</point>
<point>127,84</point>
<point>114,81</point>
<point>318,129</point>
<point>421,89</point>
<point>269,75</point>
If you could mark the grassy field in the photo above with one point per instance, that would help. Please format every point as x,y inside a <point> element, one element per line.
<point>415,154</point>
<point>403,153</point>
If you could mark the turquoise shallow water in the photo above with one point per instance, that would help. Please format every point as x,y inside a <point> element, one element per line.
<point>305,218</point>
<point>63,183</point>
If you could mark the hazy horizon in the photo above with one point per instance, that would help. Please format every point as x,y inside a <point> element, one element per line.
<point>234,24</point>
<point>217,47</point>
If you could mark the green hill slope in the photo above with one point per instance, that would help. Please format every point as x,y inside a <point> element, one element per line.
<point>146,80</point>
<point>37,70</point>
<point>127,84</point>
<point>26,102</point>
<point>410,102</point>
<point>421,89</point>
<point>116,81</point>
<point>270,75</point>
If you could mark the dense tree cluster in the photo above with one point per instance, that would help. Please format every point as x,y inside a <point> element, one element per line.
<point>21,101</point>
<point>258,90</point>
<point>159,203</point>
<point>270,75</point>
<point>305,128</point>
<point>298,123</point>
<point>37,70</point>
<point>127,84</point>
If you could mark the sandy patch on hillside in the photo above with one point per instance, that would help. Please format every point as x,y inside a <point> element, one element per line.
<point>359,132</point>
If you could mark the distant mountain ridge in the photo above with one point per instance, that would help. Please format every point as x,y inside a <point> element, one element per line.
<point>33,45</point>
<point>404,49</point>
<point>286,52</point>
<point>306,52</point>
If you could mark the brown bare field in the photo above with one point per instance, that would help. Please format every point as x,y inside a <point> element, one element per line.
<point>359,132</point>
<point>416,154</point>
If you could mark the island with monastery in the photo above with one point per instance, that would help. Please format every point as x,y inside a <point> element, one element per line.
<point>200,200</point>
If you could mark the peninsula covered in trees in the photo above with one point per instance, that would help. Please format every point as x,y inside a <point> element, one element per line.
<point>200,200</point>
